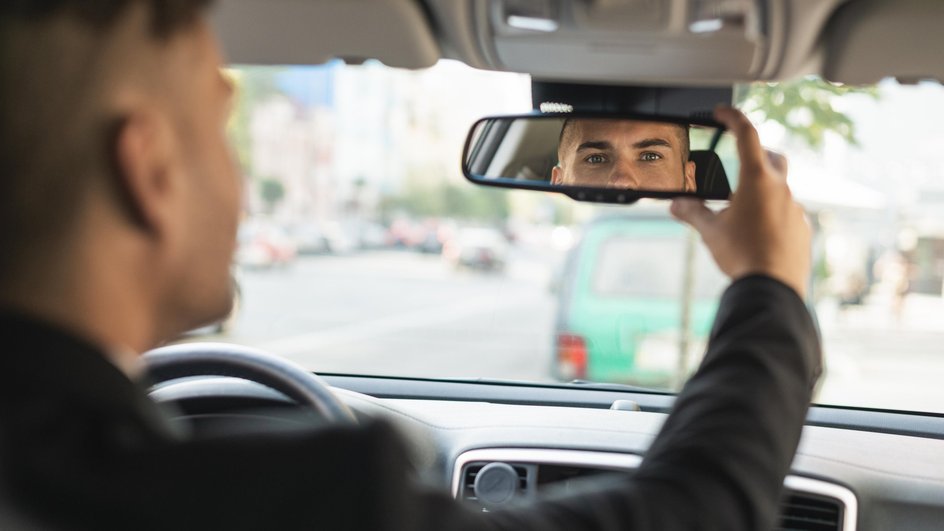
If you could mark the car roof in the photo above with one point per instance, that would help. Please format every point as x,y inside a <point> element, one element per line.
<point>712,42</point>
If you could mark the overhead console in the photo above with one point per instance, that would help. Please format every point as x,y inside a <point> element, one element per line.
<point>635,42</point>
<point>660,41</point>
<point>868,40</point>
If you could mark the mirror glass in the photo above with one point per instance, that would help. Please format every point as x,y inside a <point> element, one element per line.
<point>597,158</point>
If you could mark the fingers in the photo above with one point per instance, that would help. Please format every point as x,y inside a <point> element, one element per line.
<point>751,153</point>
<point>778,162</point>
<point>693,212</point>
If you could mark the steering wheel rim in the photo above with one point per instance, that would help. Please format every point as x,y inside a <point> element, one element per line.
<point>236,361</point>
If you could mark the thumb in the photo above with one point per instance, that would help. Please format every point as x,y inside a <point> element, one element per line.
<point>693,212</point>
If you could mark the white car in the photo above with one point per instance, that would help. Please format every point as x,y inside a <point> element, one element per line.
<point>481,249</point>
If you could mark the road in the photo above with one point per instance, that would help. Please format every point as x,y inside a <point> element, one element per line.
<point>876,360</point>
<point>407,314</point>
<point>401,313</point>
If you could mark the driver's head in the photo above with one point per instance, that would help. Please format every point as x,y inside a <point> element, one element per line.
<point>113,155</point>
<point>624,154</point>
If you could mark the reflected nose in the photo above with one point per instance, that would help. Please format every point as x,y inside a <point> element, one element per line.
<point>623,176</point>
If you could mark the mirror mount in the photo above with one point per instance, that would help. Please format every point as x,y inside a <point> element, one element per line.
<point>679,102</point>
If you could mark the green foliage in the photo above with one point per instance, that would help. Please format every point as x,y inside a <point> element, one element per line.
<point>272,191</point>
<point>443,199</point>
<point>563,211</point>
<point>804,107</point>
<point>253,86</point>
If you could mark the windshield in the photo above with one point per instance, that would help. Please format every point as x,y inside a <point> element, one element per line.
<point>364,251</point>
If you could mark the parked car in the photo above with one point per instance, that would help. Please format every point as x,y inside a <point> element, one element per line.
<point>625,313</point>
<point>264,245</point>
<point>310,239</point>
<point>481,249</point>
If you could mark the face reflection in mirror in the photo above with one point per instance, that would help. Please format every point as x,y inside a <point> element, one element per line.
<point>630,154</point>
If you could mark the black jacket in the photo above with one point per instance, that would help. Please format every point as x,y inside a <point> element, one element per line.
<point>81,446</point>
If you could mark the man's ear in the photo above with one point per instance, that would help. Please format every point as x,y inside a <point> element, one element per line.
<point>690,184</point>
<point>557,175</point>
<point>143,166</point>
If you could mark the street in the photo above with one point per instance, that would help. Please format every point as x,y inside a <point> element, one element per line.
<point>400,313</point>
<point>875,360</point>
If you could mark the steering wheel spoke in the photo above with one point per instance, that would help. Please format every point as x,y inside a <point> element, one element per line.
<point>223,359</point>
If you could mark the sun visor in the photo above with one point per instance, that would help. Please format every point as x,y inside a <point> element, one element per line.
<point>396,32</point>
<point>868,40</point>
<point>646,41</point>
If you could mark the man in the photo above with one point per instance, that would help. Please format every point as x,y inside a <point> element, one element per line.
<point>629,154</point>
<point>119,205</point>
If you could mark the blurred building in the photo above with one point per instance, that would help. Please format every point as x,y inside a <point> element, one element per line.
<point>340,138</point>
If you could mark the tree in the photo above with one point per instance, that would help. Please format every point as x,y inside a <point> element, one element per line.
<point>445,199</point>
<point>253,85</point>
<point>804,107</point>
<point>272,191</point>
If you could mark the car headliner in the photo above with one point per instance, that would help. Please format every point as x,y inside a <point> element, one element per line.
<point>851,41</point>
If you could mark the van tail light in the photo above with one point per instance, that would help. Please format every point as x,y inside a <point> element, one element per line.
<point>571,357</point>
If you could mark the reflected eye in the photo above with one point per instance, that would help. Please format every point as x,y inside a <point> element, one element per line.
<point>595,159</point>
<point>650,156</point>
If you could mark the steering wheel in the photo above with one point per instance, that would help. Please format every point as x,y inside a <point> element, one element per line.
<point>223,359</point>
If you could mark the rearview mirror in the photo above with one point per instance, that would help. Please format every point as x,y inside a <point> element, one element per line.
<point>600,158</point>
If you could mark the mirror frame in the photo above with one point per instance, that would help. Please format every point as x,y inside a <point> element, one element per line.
<point>586,193</point>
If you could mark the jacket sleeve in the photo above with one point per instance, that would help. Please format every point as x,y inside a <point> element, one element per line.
<point>721,456</point>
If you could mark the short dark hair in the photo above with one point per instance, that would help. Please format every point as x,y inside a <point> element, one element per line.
<point>55,134</point>
<point>167,16</point>
<point>684,136</point>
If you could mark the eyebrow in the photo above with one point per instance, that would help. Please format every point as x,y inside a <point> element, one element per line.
<point>642,144</point>
<point>652,142</point>
<point>595,144</point>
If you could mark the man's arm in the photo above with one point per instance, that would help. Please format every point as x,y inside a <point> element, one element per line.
<point>736,426</point>
<point>720,459</point>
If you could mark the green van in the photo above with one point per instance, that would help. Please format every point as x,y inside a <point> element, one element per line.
<point>638,301</point>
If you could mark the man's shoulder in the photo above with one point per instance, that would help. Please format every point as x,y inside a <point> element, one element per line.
<point>43,363</point>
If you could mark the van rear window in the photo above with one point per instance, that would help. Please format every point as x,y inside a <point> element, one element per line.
<point>634,266</point>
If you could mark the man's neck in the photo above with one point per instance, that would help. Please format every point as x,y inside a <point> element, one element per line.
<point>105,305</point>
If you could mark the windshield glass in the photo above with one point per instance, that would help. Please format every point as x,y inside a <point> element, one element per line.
<point>363,250</point>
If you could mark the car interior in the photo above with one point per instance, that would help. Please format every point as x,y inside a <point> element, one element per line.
<point>860,466</point>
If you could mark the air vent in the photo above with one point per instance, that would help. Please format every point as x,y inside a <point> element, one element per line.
<point>805,512</point>
<point>472,471</point>
<point>808,504</point>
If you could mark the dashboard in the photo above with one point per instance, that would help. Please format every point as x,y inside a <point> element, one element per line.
<point>493,477</point>
<point>493,445</point>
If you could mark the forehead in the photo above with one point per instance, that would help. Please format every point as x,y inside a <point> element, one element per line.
<point>624,130</point>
